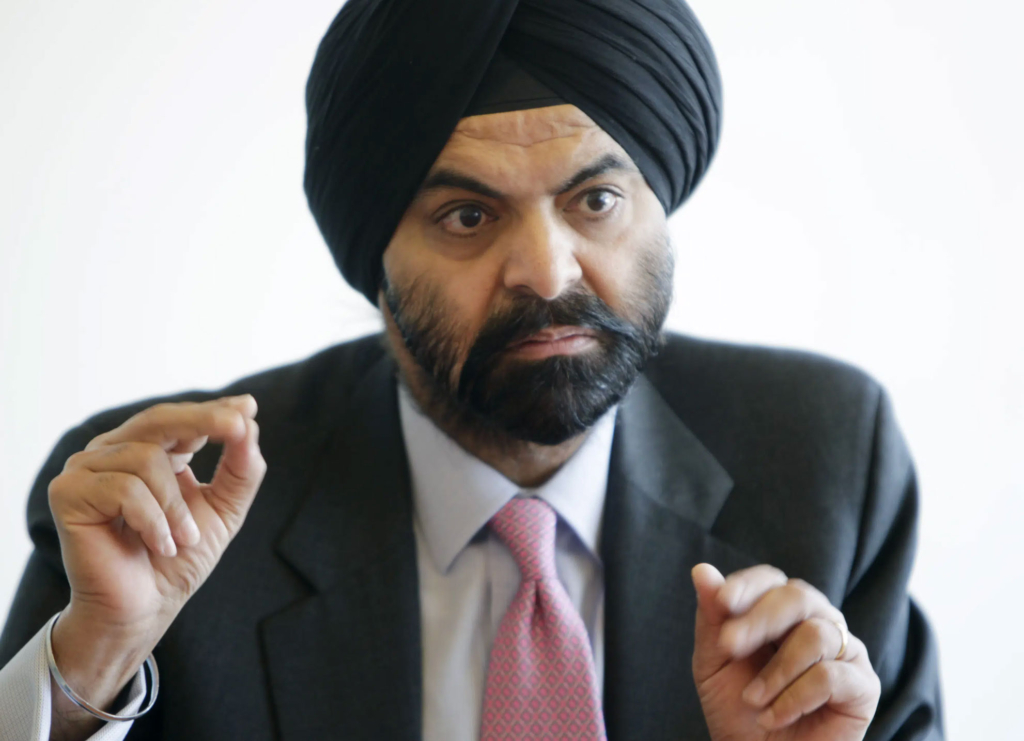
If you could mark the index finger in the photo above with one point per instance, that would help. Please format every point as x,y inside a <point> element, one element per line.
<point>172,424</point>
<point>774,615</point>
<point>742,589</point>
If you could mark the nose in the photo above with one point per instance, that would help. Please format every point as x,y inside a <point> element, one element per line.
<point>541,257</point>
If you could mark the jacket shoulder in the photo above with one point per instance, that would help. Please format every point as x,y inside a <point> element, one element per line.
<point>761,386</point>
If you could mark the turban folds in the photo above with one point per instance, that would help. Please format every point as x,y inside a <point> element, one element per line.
<point>392,78</point>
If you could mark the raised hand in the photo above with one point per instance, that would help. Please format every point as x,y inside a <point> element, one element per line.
<point>139,534</point>
<point>767,661</point>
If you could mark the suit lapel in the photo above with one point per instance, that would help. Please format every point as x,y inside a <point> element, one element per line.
<point>665,490</point>
<point>345,662</point>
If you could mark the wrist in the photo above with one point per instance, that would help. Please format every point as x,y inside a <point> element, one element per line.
<point>97,659</point>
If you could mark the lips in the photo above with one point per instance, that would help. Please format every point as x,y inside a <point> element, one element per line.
<point>553,334</point>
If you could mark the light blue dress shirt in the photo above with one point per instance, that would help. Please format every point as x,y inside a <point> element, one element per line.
<point>468,576</point>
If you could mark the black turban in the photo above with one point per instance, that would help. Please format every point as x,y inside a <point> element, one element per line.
<point>392,78</point>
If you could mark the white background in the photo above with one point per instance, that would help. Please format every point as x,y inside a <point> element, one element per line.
<point>866,202</point>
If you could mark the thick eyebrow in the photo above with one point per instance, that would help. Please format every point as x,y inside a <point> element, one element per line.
<point>445,178</point>
<point>448,178</point>
<point>600,166</point>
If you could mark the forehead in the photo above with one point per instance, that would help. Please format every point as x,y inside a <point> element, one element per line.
<point>531,145</point>
<point>527,127</point>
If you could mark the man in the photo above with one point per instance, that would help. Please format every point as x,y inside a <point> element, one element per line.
<point>510,515</point>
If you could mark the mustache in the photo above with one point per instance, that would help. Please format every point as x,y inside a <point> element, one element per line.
<point>526,316</point>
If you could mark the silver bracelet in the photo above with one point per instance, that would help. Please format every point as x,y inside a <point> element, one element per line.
<point>79,701</point>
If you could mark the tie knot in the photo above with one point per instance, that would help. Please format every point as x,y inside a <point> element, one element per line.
<point>527,527</point>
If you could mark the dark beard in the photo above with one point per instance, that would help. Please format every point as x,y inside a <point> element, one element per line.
<point>499,399</point>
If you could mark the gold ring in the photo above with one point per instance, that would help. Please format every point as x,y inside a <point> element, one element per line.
<point>846,637</point>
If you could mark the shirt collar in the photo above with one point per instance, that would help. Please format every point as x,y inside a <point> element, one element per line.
<point>455,493</point>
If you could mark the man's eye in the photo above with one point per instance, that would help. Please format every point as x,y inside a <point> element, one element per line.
<point>464,219</point>
<point>598,201</point>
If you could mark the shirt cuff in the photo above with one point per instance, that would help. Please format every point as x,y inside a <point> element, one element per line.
<point>25,699</point>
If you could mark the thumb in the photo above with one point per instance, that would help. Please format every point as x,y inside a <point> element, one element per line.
<point>707,580</point>
<point>238,476</point>
<point>707,657</point>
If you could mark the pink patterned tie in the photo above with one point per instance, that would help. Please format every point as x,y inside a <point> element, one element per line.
<point>541,681</point>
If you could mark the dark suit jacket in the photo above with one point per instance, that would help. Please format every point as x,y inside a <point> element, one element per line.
<point>309,626</point>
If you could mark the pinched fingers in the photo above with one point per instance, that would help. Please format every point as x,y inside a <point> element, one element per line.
<point>775,613</point>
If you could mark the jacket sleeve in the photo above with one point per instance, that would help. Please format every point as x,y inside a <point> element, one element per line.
<point>878,609</point>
